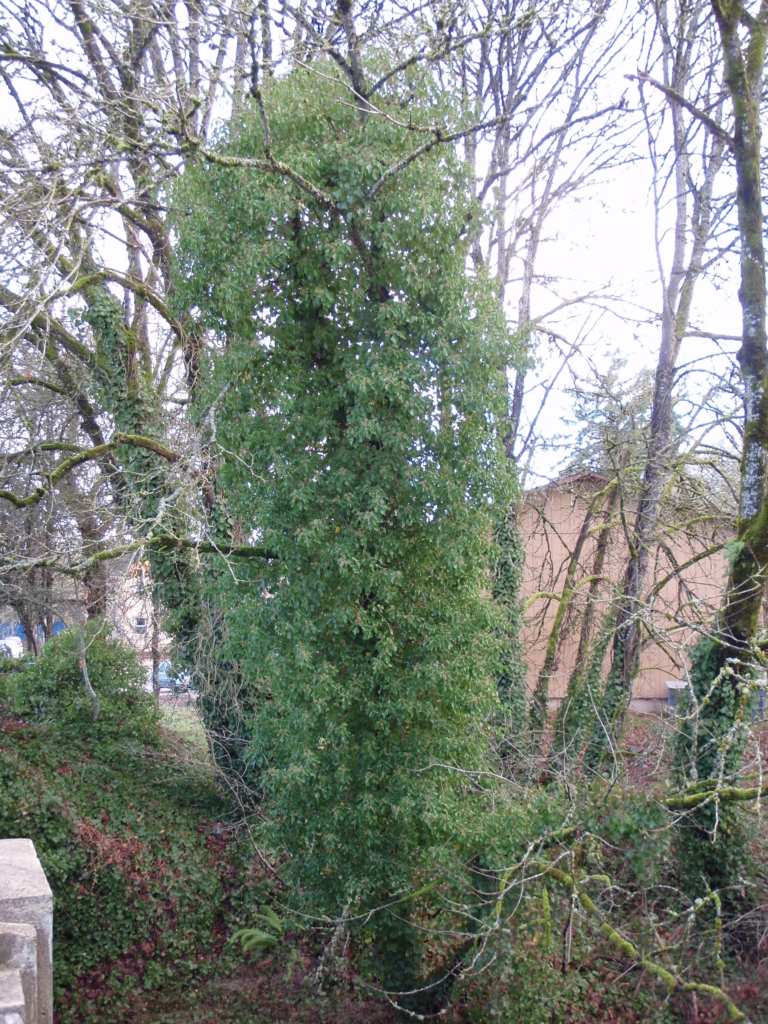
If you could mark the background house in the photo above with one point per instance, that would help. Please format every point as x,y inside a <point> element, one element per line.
<point>129,607</point>
<point>13,635</point>
<point>685,583</point>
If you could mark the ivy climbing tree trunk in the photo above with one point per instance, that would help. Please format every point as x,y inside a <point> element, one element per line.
<point>744,80</point>
<point>507,580</point>
<point>711,744</point>
<point>541,693</point>
<point>570,714</point>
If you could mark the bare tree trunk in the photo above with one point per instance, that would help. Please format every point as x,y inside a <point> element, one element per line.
<point>266,38</point>
<point>564,729</point>
<point>95,577</point>
<point>744,80</point>
<point>30,627</point>
<point>678,293</point>
<point>193,36</point>
<point>48,618</point>
<point>541,693</point>
<point>156,648</point>
<point>515,412</point>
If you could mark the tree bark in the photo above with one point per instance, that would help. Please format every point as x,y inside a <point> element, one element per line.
<point>568,716</point>
<point>713,846</point>
<point>541,693</point>
<point>678,294</point>
<point>744,81</point>
<point>30,626</point>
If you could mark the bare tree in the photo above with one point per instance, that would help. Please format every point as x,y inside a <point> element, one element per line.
<point>744,61</point>
<point>683,48</point>
<point>538,74</point>
<point>109,108</point>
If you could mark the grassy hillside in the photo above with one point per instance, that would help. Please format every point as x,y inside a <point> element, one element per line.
<point>149,871</point>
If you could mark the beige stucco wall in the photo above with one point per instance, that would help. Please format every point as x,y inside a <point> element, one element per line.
<point>131,599</point>
<point>550,524</point>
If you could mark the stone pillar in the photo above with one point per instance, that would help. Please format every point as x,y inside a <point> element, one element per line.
<point>18,955</point>
<point>26,899</point>
<point>12,1003</point>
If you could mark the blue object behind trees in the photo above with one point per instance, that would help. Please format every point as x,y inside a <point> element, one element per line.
<point>17,629</point>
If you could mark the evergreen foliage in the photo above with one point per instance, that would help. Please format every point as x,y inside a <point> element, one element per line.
<point>507,579</point>
<point>712,843</point>
<point>113,818</point>
<point>359,440</point>
<point>49,689</point>
<point>123,828</point>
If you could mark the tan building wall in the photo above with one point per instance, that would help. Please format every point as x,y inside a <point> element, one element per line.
<point>551,522</point>
<point>130,609</point>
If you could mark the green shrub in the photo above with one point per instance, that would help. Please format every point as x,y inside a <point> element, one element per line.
<point>376,653</point>
<point>51,688</point>
<point>10,674</point>
<point>125,834</point>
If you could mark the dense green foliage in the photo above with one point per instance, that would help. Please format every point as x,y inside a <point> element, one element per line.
<point>335,417</point>
<point>51,689</point>
<point>357,669</point>
<point>147,889</point>
<point>120,829</point>
<point>710,746</point>
<point>359,439</point>
<point>507,579</point>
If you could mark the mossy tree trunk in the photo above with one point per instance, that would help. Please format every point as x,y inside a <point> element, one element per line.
<point>572,708</point>
<point>744,80</point>
<point>541,693</point>
<point>693,223</point>
<point>710,744</point>
<point>506,580</point>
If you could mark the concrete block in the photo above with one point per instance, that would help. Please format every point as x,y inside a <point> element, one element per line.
<point>26,898</point>
<point>11,992</point>
<point>18,948</point>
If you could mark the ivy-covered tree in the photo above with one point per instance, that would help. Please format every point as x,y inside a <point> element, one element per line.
<point>361,399</point>
<point>713,848</point>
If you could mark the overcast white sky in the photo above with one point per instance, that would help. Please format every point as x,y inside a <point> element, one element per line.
<point>604,239</point>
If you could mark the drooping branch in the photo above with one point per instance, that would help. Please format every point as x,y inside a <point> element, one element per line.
<point>671,979</point>
<point>675,97</point>
<point>47,325</point>
<point>139,288</point>
<point>270,167</point>
<point>707,553</point>
<point>439,137</point>
<point>39,382</point>
<point>163,542</point>
<point>137,441</point>
<point>728,794</point>
<point>89,455</point>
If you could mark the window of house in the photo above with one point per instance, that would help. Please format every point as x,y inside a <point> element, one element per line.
<point>140,625</point>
